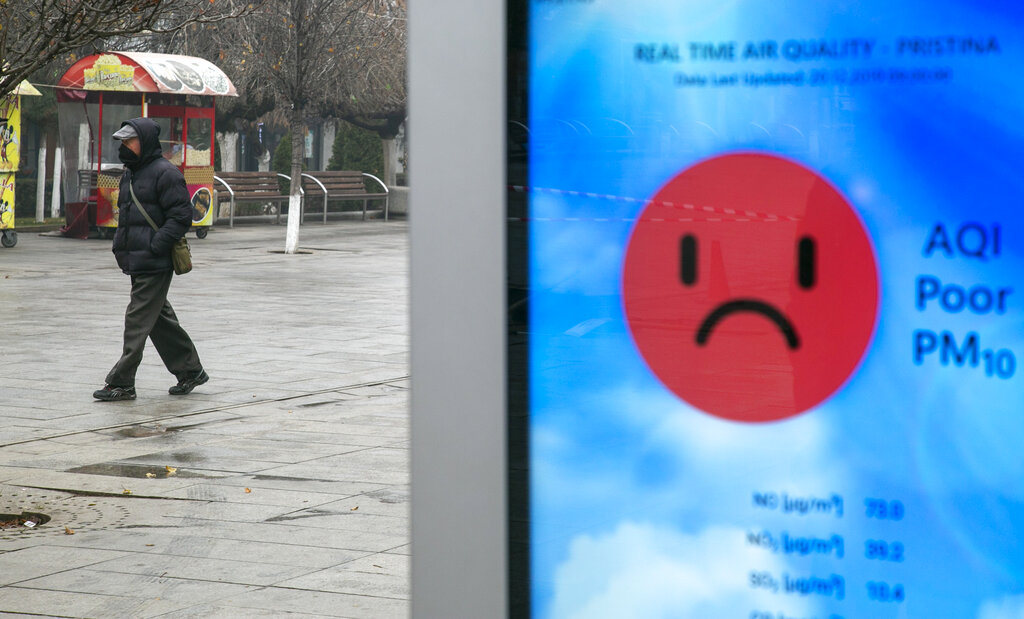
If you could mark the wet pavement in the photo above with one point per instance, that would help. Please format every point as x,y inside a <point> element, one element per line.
<point>279,488</point>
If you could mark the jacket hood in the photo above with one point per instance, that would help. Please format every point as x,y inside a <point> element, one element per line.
<point>149,139</point>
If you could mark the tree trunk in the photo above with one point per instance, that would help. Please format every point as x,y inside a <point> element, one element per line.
<point>390,161</point>
<point>330,132</point>
<point>228,150</point>
<point>297,127</point>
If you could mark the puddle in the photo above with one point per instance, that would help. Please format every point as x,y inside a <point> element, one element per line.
<point>143,431</point>
<point>312,404</point>
<point>295,479</point>
<point>388,496</point>
<point>306,513</point>
<point>139,471</point>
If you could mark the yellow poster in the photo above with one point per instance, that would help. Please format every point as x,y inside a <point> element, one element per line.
<point>10,138</point>
<point>6,200</point>
<point>10,132</point>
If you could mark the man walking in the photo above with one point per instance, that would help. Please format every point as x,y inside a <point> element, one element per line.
<point>144,253</point>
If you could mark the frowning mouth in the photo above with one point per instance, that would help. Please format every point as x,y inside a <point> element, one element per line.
<point>752,306</point>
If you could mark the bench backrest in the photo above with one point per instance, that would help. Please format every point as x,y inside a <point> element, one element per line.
<point>251,183</point>
<point>337,182</point>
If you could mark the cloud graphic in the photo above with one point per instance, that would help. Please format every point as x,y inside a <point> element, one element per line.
<point>583,258</point>
<point>643,570</point>
<point>1009,607</point>
<point>711,444</point>
<point>791,455</point>
<point>660,446</point>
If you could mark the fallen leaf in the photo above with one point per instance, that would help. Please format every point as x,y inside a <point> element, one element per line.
<point>68,531</point>
<point>126,491</point>
<point>151,544</point>
<point>171,470</point>
<point>248,490</point>
<point>354,508</point>
<point>151,475</point>
<point>378,566</point>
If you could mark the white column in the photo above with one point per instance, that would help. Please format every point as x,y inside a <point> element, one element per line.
<point>55,190</point>
<point>84,139</point>
<point>41,182</point>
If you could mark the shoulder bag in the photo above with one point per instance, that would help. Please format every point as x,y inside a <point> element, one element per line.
<point>181,255</point>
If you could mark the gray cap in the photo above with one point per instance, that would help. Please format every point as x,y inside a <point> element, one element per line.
<point>125,132</point>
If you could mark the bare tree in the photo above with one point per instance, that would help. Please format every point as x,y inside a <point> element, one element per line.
<point>317,57</point>
<point>34,33</point>
<point>375,78</point>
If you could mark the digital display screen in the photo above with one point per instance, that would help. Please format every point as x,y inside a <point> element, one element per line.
<point>775,257</point>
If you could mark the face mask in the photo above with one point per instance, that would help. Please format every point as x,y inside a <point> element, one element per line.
<point>126,155</point>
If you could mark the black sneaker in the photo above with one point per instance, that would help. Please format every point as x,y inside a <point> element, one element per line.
<point>190,382</point>
<point>113,393</point>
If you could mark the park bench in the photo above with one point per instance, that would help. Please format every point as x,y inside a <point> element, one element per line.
<point>260,187</point>
<point>342,186</point>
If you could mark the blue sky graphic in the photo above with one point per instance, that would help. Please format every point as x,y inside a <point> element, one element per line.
<point>626,477</point>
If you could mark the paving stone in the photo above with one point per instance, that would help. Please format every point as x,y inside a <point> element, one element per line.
<point>379,575</point>
<point>296,531</point>
<point>98,582</point>
<point>104,484</point>
<point>319,603</point>
<point>250,495</point>
<point>48,603</point>
<point>29,563</point>
<point>224,612</point>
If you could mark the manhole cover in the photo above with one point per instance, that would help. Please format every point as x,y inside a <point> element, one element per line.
<point>24,520</point>
<point>59,513</point>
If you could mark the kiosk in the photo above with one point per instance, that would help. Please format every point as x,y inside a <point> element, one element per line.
<point>10,149</point>
<point>99,92</point>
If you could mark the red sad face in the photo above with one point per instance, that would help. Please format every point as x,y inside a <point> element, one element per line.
<point>750,287</point>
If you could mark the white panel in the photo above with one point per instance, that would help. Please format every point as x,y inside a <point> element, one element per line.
<point>457,102</point>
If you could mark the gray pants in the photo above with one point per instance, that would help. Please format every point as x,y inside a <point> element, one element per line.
<point>149,315</point>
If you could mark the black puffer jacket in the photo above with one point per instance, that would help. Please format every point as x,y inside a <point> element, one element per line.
<point>160,187</point>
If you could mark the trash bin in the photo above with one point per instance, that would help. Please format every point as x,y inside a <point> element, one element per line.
<point>76,214</point>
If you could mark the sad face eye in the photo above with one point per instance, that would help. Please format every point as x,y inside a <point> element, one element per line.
<point>806,273</point>
<point>688,260</point>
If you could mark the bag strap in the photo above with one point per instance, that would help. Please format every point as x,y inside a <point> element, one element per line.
<point>139,204</point>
